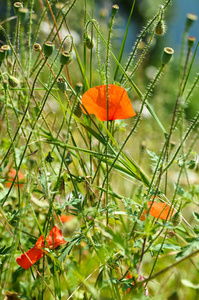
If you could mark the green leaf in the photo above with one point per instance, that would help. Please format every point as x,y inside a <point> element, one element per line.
<point>196,216</point>
<point>189,249</point>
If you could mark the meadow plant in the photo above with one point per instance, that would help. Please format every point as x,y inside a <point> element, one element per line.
<point>99,170</point>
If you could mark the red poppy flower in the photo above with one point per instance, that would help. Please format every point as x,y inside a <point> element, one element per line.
<point>158,210</point>
<point>54,239</point>
<point>119,104</point>
<point>11,176</point>
<point>141,278</point>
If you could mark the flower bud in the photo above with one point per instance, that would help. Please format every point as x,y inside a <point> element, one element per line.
<point>2,54</point>
<point>17,6</point>
<point>89,42</point>
<point>176,219</point>
<point>191,18</point>
<point>191,41</point>
<point>78,87</point>
<point>49,158</point>
<point>37,47</point>
<point>23,14</point>
<point>48,49</point>
<point>13,81</point>
<point>66,57</point>
<point>115,9</point>
<point>77,111</point>
<point>166,55</point>
<point>160,28</point>
<point>6,48</point>
<point>61,84</point>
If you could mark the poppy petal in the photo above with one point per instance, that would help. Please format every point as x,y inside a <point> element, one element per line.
<point>34,255</point>
<point>55,238</point>
<point>65,218</point>
<point>95,102</point>
<point>158,210</point>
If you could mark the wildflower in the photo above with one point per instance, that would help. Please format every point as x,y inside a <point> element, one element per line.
<point>54,240</point>
<point>119,104</point>
<point>11,176</point>
<point>158,210</point>
<point>141,278</point>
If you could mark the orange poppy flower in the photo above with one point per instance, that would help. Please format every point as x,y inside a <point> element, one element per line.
<point>119,104</point>
<point>65,218</point>
<point>158,210</point>
<point>54,240</point>
<point>11,176</point>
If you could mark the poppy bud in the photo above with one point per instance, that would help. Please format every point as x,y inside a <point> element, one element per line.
<point>13,81</point>
<point>77,111</point>
<point>48,49</point>
<point>191,18</point>
<point>176,219</point>
<point>49,158</point>
<point>78,87</point>
<point>61,84</point>
<point>6,48</point>
<point>23,14</point>
<point>89,42</point>
<point>115,9</point>
<point>66,57</point>
<point>166,55</point>
<point>37,47</point>
<point>191,41</point>
<point>17,6</point>
<point>160,28</point>
<point>2,54</point>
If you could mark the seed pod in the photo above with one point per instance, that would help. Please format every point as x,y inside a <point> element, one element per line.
<point>17,6</point>
<point>2,54</point>
<point>6,48</point>
<point>191,41</point>
<point>115,9</point>
<point>23,14</point>
<point>89,42</point>
<point>37,47</point>
<point>191,18</point>
<point>166,55</point>
<point>61,84</point>
<point>66,57</point>
<point>48,49</point>
<point>160,28</point>
<point>78,87</point>
<point>13,81</point>
<point>77,111</point>
<point>176,219</point>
